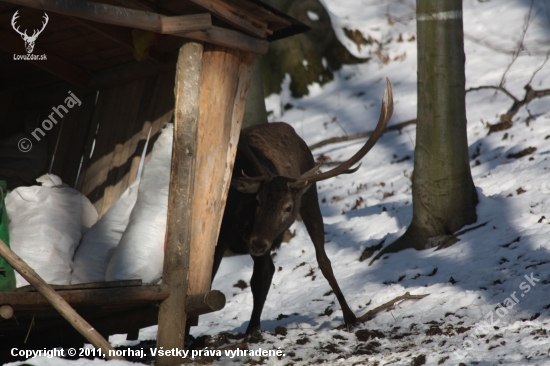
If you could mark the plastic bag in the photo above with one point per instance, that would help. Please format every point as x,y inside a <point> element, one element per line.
<point>140,254</point>
<point>45,224</point>
<point>99,243</point>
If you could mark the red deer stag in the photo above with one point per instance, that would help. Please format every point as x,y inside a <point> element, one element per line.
<point>273,180</point>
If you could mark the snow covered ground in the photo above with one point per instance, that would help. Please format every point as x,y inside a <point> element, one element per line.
<point>488,297</point>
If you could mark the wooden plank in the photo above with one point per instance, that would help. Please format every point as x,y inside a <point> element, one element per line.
<point>76,126</point>
<point>116,15</point>
<point>189,23</point>
<point>86,286</point>
<point>261,11</point>
<point>172,313</point>
<point>232,39</point>
<point>121,123</point>
<point>126,113</point>
<point>236,17</point>
<point>160,110</point>
<point>53,64</point>
<point>122,36</point>
<point>81,325</point>
<point>225,81</point>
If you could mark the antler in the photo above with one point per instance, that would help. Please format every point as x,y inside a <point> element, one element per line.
<point>13,19</point>
<point>345,167</point>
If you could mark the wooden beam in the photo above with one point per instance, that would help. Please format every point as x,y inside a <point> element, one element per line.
<point>89,297</point>
<point>208,302</point>
<point>236,17</point>
<point>53,64</point>
<point>230,38</point>
<point>81,325</point>
<point>191,23</point>
<point>116,15</point>
<point>172,313</point>
<point>225,81</point>
<point>87,285</point>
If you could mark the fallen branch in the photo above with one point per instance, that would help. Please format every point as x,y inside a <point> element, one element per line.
<point>360,135</point>
<point>506,119</point>
<point>370,314</point>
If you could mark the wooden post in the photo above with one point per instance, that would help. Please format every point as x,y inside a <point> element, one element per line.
<point>172,315</point>
<point>81,325</point>
<point>225,80</point>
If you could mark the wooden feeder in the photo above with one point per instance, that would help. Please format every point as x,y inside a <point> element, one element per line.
<point>135,65</point>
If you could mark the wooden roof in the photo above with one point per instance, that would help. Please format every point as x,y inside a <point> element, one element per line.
<point>91,44</point>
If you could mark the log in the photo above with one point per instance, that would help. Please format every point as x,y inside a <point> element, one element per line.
<point>225,81</point>
<point>187,23</point>
<point>205,303</point>
<point>6,311</point>
<point>172,316</point>
<point>87,286</point>
<point>81,325</point>
<point>89,297</point>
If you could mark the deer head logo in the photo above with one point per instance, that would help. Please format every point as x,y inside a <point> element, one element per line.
<point>29,40</point>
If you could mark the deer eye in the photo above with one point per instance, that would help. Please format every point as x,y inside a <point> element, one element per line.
<point>288,208</point>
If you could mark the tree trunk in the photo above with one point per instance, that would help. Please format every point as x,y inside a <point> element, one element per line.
<point>255,112</point>
<point>444,196</point>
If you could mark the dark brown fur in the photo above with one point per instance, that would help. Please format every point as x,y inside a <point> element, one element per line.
<point>255,223</point>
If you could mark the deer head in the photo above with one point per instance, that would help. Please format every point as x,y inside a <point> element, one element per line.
<point>279,198</point>
<point>29,40</point>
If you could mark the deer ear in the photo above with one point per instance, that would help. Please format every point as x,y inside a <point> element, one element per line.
<point>245,186</point>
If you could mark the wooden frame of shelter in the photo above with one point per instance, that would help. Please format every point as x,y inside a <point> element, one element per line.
<point>198,58</point>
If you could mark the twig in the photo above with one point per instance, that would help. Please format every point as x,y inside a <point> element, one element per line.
<point>500,88</point>
<point>360,135</point>
<point>370,314</point>
<point>520,46</point>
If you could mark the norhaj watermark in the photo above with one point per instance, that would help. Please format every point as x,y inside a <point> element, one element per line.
<point>29,40</point>
<point>25,144</point>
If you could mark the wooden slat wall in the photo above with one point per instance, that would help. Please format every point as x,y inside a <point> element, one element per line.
<point>74,131</point>
<point>124,114</point>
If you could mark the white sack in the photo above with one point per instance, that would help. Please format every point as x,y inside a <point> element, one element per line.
<point>140,254</point>
<point>99,243</point>
<point>45,224</point>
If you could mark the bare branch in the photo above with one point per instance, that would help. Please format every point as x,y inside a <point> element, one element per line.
<point>500,88</point>
<point>370,314</point>
<point>520,45</point>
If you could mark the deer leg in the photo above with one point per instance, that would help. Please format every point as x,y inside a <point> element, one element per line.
<point>313,220</point>
<point>260,284</point>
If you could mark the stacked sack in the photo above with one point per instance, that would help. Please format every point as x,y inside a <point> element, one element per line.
<point>140,254</point>
<point>46,224</point>
<point>99,243</point>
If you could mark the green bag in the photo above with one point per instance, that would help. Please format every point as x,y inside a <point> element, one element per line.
<point>7,275</point>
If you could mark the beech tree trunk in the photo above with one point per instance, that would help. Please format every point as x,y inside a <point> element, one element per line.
<point>444,196</point>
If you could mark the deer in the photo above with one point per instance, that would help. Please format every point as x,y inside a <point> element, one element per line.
<point>29,40</point>
<point>273,179</point>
